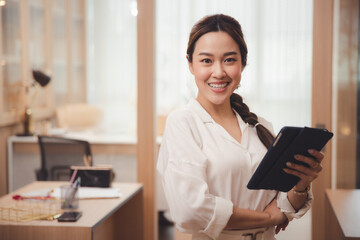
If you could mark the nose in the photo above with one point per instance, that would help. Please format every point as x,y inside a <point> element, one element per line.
<point>218,71</point>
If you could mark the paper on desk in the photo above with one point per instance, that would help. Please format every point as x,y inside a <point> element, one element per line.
<point>92,192</point>
<point>84,193</point>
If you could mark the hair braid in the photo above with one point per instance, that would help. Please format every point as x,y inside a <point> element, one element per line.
<point>243,110</point>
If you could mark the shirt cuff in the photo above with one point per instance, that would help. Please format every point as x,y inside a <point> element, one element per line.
<point>285,206</point>
<point>222,213</point>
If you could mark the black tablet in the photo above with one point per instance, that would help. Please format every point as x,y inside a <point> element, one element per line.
<point>289,141</point>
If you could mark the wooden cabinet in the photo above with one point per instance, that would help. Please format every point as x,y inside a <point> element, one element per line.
<point>46,35</point>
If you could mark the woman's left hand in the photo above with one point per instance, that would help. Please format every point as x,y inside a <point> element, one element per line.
<point>282,226</point>
<point>306,174</point>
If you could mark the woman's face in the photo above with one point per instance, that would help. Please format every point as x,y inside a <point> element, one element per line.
<point>216,67</point>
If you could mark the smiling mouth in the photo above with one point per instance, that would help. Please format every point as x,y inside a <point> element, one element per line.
<point>218,86</point>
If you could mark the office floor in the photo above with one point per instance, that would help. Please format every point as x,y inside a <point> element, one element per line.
<point>298,229</point>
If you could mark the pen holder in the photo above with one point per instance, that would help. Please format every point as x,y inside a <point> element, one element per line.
<point>69,197</point>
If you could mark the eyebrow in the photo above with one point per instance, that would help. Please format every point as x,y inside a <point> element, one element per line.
<point>225,54</point>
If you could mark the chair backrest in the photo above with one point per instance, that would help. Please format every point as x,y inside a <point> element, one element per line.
<point>58,154</point>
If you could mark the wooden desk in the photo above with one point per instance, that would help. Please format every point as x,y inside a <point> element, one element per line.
<point>342,214</point>
<point>24,158</point>
<point>120,218</point>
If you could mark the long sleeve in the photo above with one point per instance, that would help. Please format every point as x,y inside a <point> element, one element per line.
<point>182,165</point>
<point>286,207</point>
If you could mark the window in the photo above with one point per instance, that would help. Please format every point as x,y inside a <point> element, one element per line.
<point>111,66</point>
<point>276,84</point>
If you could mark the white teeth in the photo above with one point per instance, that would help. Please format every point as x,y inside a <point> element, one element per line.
<point>218,85</point>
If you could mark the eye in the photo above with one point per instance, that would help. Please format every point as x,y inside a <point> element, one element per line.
<point>206,60</point>
<point>230,60</point>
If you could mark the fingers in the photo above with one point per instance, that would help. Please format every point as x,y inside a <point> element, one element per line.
<point>311,171</point>
<point>277,229</point>
<point>285,224</point>
<point>281,226</point>
<point>307,173</point>
<point>319,156</point>
<point>308,177</point>
<point>313,163</point>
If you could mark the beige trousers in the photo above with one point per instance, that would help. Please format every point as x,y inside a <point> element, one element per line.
<point>250,234</point>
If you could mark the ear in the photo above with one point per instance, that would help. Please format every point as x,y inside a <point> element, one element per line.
<point>190,65</point>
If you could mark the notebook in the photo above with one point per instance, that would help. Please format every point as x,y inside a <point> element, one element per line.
<point>288,142</point>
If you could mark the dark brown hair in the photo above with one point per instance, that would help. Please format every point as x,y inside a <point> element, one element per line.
<point>224,23</point>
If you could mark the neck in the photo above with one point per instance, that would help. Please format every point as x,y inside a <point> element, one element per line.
<point>217,111</point>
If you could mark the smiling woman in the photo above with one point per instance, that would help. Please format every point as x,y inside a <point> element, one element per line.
<point>211,147</point>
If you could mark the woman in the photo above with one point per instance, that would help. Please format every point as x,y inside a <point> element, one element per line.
<point>211,148</point>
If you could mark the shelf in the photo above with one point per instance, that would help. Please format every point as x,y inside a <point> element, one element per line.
<point>46,42</point>
<point>10,59</point>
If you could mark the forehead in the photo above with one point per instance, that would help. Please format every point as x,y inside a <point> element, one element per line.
<point>216,42</point>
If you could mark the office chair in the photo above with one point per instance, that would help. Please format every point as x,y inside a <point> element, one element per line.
<point>58,154</point>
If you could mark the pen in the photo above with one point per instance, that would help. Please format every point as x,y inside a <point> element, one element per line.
<point>73,176</point>
<point>77,183</point>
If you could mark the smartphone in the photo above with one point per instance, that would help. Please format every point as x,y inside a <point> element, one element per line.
<point>69,216</point>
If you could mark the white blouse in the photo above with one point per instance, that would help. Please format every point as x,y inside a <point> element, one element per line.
<point>205,171</point>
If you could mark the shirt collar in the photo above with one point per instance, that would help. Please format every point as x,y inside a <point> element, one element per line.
<point>205,116</point>
<point>200,111</point>
<point>195,106</point>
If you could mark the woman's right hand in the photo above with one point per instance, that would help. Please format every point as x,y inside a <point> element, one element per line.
<point>276,216</point>
<point>247,219</point>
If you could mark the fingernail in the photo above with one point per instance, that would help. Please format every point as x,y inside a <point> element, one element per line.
<point>311,151</point>
<point>289,164</point>
<point>297,157</point>
<point>285,169</point>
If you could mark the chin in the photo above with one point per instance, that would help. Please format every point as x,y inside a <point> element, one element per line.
<point>214,98</point>
<point>219,100</point>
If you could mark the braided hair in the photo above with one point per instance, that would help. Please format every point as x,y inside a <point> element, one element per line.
<point>251,118</point>
<point>220,22</point>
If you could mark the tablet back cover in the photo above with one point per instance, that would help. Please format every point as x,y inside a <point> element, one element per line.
<point>289,141</point>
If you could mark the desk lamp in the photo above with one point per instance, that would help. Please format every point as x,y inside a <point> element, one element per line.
<point>42,79</point>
